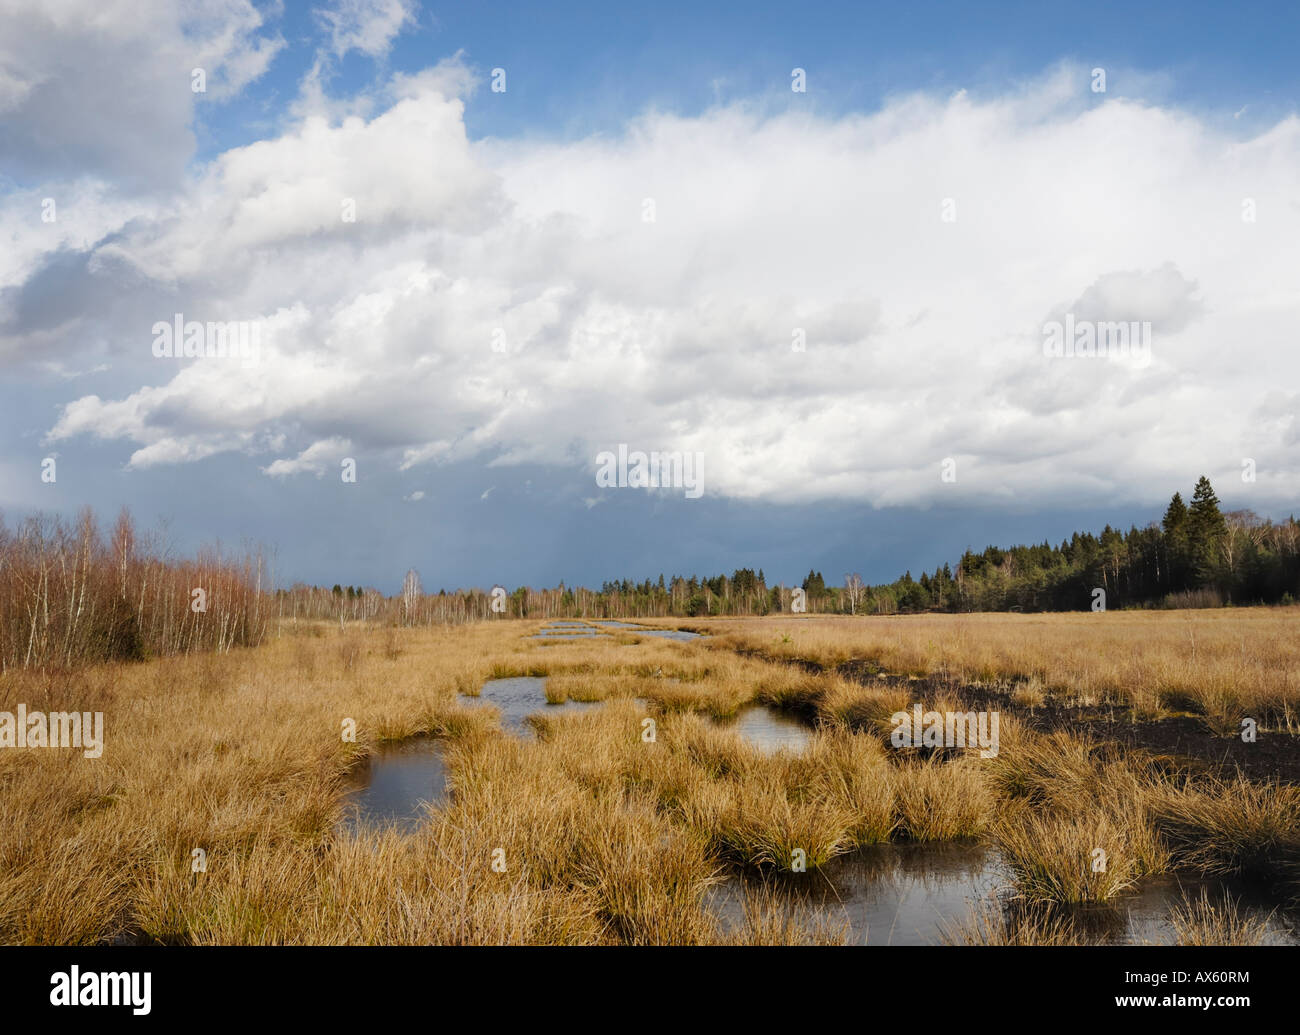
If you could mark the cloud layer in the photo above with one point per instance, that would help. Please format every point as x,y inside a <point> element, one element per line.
<point>826,308</point>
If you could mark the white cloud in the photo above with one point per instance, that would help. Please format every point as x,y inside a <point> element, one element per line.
<point>102,88</point>
<point>369,26</point>
<point>315,459</point>
<point>1164,297</point>
<point>505,301</point>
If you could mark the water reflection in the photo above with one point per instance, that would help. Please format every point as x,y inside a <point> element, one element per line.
<point>393,786</point>
<point>891,894</point>
<point>770,730</point>
<point>521,696</point>
<point>914,894</point>
<point>641,630</point>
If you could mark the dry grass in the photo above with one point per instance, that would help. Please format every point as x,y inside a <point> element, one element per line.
<point>770,918</point>
<point>1198,921</point>
<point>942,801</point>
<point>1221,664</point>
<point>1237,828</point>
<point>994,922</point>
<point>606,838</point>
<point>1062,858</point>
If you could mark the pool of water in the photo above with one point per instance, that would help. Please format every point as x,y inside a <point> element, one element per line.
<point>887,894</point>
<point>521,696</point>
<point>1142,915</point>
<point>565,630</point>
<point>394,785</point>
<point>770,730</point>
<point>909,894</point>
<point>667,634</point>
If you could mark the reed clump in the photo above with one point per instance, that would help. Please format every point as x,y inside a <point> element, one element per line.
<point>1199,921</point>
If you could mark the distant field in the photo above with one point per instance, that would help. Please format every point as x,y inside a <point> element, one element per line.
<point>1222,664</point>
<point>600,834</point>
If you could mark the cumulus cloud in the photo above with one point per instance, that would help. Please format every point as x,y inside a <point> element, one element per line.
<point>786,293</point>
<point>102,88</point>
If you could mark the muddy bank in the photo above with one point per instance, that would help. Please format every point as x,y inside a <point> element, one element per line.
<point>1184,740</point>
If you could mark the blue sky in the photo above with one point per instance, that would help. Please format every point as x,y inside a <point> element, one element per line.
<point>950,182</point>
<point>578,68</point>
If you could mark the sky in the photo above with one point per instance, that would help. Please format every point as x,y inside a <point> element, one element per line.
<point>825,252</point>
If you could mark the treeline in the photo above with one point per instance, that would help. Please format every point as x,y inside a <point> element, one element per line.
<point>1197,556</point>
<point>70,595</point>
<point>744,592</point>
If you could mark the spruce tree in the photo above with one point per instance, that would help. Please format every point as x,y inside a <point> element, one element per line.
<point>1205,529</point>
<point>1175,543</point>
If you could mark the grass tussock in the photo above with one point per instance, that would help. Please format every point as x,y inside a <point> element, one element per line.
<point>1066,859</point>
<point>940,801</point>
<point>1198,921</point>
<point>771,918</point>
<point>993,921</point>
<point>1238,828</point>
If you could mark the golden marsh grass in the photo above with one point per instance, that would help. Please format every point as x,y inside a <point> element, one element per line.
<point>602,836</point>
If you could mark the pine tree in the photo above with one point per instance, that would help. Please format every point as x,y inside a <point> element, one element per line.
<point>1205,529</point>
<point>814,585</point>
<point>1175,542</point>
